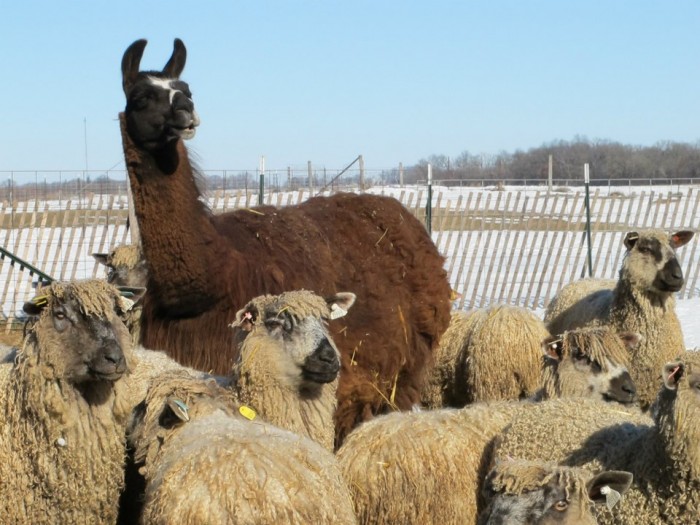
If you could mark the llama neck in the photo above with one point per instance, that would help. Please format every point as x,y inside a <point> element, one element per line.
<point>178,238</point>
<point>308,412</point>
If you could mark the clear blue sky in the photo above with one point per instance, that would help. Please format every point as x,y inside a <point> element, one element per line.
<point>395,81</point>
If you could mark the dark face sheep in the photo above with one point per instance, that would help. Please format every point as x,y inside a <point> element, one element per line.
<point>81,320</point>
<point>125,266</point>
<point>651,262</point>
<point>592,360</point>
<point>294,325</point>
<point>535,493</point>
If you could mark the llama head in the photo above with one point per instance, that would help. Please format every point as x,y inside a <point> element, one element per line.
<point>159,108</point>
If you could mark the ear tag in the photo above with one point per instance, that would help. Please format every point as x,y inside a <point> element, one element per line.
<point>337,311</point>
<point>40,300</point>
<point>179,408</point>
<point>127,304</point>
<point>247,412</point>
<point>612,497</point>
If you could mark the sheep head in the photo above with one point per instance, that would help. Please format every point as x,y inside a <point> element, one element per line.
<point>78,334</point>
<point>125,266</point>
<point>590,362</point>
<point>535,493</point>
<point>173,399</point>
<point>293,329</point>
<point>677,409</point>
<point>651,264</point>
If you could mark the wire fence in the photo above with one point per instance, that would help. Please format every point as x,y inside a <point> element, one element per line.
<point>515,245</point>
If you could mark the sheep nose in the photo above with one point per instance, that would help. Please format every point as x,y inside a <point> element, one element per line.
<point>325,352</point>
<point>629,388</point>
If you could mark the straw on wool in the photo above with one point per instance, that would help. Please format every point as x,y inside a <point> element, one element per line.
<point>127,255</point>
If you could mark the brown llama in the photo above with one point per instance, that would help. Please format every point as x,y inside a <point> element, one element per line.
<point>203,267</point>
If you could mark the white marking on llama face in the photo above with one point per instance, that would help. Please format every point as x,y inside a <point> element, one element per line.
<point>166,84</point>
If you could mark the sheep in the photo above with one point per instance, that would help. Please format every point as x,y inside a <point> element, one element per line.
<point>538,493</point>
<point>486,355</point>
<point>288,364</point>
<point>62,415</point>
<point>663,456</point>
<point>588,362</point>
<point>126,267</point>
<point>425,467</point>
<point>641,301</point>
<point>204,462</point>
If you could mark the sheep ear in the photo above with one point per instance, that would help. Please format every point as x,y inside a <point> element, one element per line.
<point>175,412</point>
<point>630,339</point>
<point>102,258</point>
<point>672,374</point>
<point>36,305</point>
<point>340,303</point>
<point>553,347</point>
<point>130,296</point>
<point>631,239</point>
<point>607,487</point>
<point>681,238</point>
<point>245,318</point>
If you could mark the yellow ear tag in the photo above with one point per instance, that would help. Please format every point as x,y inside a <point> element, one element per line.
<point>247,412</point>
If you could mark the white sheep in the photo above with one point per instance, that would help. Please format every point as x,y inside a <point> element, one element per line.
<point>204,462</point>
<point>288,364</point>
<point>425,467</point>
<point>664,457</point>
<point>641,301</point>
<point>62,415</point>
<point>519,492</point>
<point>487,354</point>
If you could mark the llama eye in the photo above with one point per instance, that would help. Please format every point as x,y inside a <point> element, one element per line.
<point>561,505</point>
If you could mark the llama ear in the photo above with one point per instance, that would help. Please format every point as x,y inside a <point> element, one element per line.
<point>672,373</point>
<point>681,238</point>
<point>176,64</point>
<point>553,347</point>
<point>631,239</point>
<point>340,303</point>
<point>130,64</point>
<point>630,339</point>
<point>102,258</point>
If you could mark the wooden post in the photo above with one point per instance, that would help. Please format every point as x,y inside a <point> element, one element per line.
<point>401,174</point>
<point>549,174</point>
<point>429,202</point>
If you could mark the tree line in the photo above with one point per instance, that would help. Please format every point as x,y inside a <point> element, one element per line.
<point>607,160</point>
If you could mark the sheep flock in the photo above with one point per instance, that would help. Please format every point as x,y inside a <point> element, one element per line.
<point>523,420</point>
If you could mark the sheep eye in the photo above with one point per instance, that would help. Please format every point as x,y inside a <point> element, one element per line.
<point>561,505</point>
<point>644,250</point>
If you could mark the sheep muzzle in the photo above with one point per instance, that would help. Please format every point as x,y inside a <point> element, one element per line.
<point>323,365</point>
